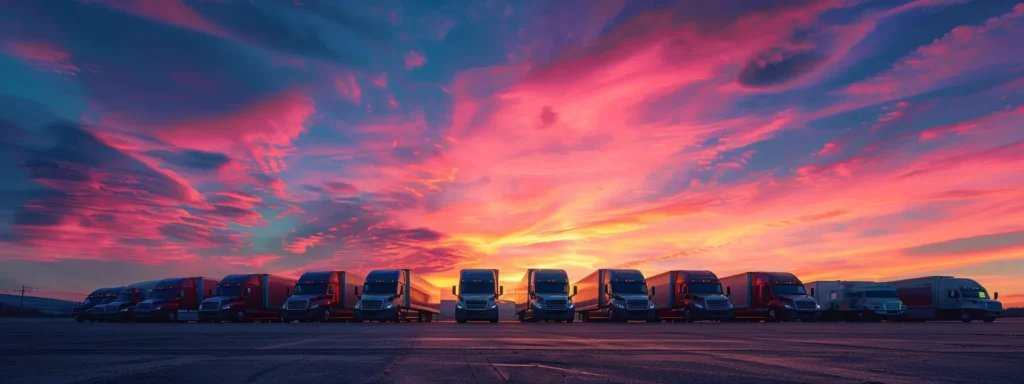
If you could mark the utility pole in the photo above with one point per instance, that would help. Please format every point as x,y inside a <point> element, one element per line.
<point>21,308</point>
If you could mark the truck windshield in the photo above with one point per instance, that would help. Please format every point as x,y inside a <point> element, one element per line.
<point>473,288</point>
<point>164,294</point>
<point>706,288</point>
<point>124,296</point>
<point>627,288</point>
<point>881,294</point>
<point>107,300</point>
<point>973,294</point>
<point>310,289</point>
<point>231,291</point>
<point>788,289</point>
<point>380,288</point>
<point>562,288</point>
<point>93,300</point>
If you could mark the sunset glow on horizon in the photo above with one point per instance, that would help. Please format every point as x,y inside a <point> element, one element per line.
<point>842,139</point>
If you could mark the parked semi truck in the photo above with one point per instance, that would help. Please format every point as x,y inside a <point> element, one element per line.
<point>122,308</point>
<point>947,298</point>
<point>615,295</point>
<point>176,299</point>
<point>101,296</point>
<point>324,296</point>
<point>772,296</point>
<point>856,300</point>
<point>96,312</point>
<point>477,295</point>
<point>690,296</point>
<point>247,297</point>
<point>543,295</point>
<point>397,295</point>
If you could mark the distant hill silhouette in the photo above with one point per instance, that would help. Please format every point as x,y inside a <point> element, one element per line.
<point>35,306</point>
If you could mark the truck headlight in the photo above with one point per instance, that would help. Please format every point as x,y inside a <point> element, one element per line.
<point>538,305</point>
<point>459,305</point>
<point>494,305</point>
<point>124,310</point>
<point>359,304</point>
<point>650,305</point>
<point>157,308</point>
<point>389,304</point>
<point>226,306</point>
<point>569,304</point>
<point>314,306</point>
<point>817,306</point>
<point>787,306</point>
<point>618,305</point>
<point>698,305</point>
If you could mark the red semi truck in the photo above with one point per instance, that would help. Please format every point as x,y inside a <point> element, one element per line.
<point>176,299</point>
<point>324,296</point>
<point>247,297</point>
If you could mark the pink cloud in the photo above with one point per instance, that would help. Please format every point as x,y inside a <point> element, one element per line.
<point>348,88</point>
<point>173,12</point>
<point>414,59</point>
<point>47,56</point>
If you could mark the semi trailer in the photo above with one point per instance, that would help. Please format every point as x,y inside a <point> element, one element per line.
<point>947,298</point>
<point>176,299</point>
<point>690,296</point>
<point>83,311</point>
<point>247,297</point>
<point>477,295</point>
<point>772,296</point>
<point>324,296</point>
<point>856,300</point>
<point>543,295</point>
<point>614,295</point>
<point>122,308</point>
<point>397,295</point>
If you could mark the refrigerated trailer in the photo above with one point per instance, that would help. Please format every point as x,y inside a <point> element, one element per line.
<point>614,295</point>
<point>324,296</point>
<point>856,300</point>
<point>83,311</point>
<point>543,295</point>
<point>176,299</point>
<point>477,295</point>
<point>947,298</point>
<point>772,296</point>
<point>690,296</point>
<point>397,295</point>
<point>122,308</point>
<point>247,297</point>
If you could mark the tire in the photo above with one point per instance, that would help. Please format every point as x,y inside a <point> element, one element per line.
<point>494,321</point>
<point>570,320</point>
<point>172,317</point>
<point>460,321</point>
<point>239,316</point>
<point>80,319</point>
<point>966,317</point>
<point>772,316</point>
<point>989,319</point>
<point>687,315</point>
<point>520,317</point>
<point>325,316</point>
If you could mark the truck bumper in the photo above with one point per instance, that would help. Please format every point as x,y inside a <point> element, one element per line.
<point>466,315</point>
<point>224,315</point>
<point>314,314</point>
<point>382,314</point>
<point>804,315</point>
<point>704,314</point>
<point>889,314</point>
<point>568,314</point>
<point>151,316</point>
<point>617,314</point>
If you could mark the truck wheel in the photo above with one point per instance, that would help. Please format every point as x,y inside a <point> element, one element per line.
<point>989,319</point>
<point>460,321</point>
<point>239,316</point>
<point>80,319</point>
<point>520,317</point>
<point>172,317</point>
<point>493,321</point>
<point>326,315</point>
<point>570,319</point>
<point>687,315</point>
<point>772,316</point>
<point>966,317</point>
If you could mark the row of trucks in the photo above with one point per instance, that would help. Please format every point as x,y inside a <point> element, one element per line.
<point>542,295</point>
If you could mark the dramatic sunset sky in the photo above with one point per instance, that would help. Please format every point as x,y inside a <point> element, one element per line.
<point>842,139</point>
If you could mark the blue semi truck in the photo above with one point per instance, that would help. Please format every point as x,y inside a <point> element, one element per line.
<point>477,295</point>
<point>543,295</point>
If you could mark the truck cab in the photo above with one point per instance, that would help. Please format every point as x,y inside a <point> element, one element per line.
<point>615,295</point>
<point>174,296</point>
<point>122,308</point>
<point>246,297</point>
<point>543,295</point>
<point>83,312</point>
<point>772,296</point>
<point>856,300</point>
<point>323,296</point>
<point>947,298</point>
<point>691,296</point>
<point>477,295</point>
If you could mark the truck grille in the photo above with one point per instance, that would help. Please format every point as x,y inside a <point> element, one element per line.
<point>555,305</point>
<point>893,305</point>
<point>97,309</point>
<point>297,305</point>
<point>804,305</point>
<point>476,305</point>
<point>717,305</point>
<point>112,309</point>
<point>636,305</point>
<point>209,306</point>
<point>143,307</point>
<point>994,306</point>
<point>373,305</point>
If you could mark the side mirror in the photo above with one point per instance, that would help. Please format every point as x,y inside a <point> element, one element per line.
<point>210,292</point>
<point>288,291</point>
<point>812,291</point>
<point>728,291</point>
<point>501,290</point>
<point>995,296</point>
<point>607,290</point>
<point>953,294</point>
<point>574,291</point>
<point>355,290</point>
<point>453,291</point>
<point>652,291</point>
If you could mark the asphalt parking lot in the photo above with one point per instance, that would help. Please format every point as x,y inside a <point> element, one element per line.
<point>62,351</point>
